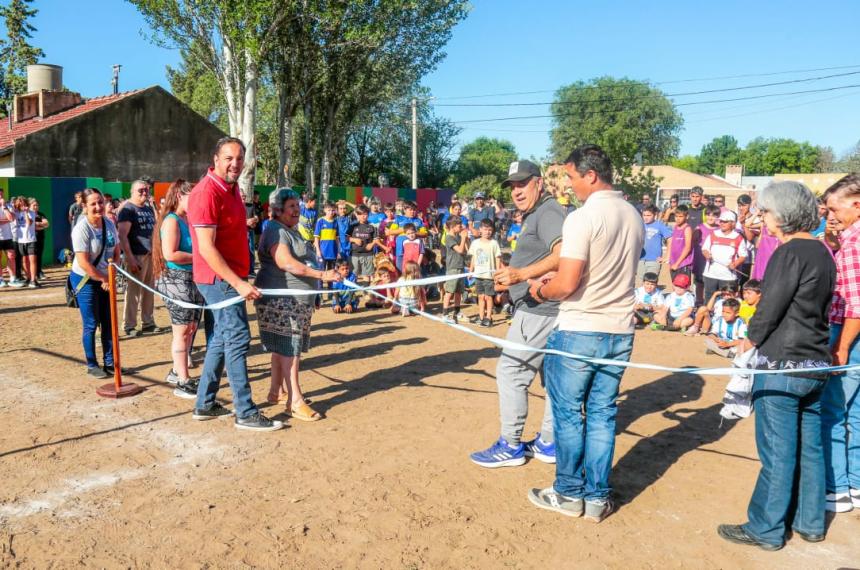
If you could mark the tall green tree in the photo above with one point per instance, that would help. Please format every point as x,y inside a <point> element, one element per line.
<point>230,39</point>
<point>484,156</point>
<point>633,121</point>
<point>718,153</point>
<point>766,157</point>
<point>16,53</point>
<point>381,143</point>
<point>687,162</point>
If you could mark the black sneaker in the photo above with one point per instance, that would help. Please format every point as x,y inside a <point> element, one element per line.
<point>132,333</point>
<point>109,370</point>
<point>258,422</point>
<point>97,372</point>
<point>187,390</point>
<point>736,533</point>
<point>152,329</point>
<point>487,323</point>
<point>216,410</point>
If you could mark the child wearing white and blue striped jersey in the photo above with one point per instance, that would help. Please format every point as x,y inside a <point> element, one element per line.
<point>727,331</point>
<point>648,298</point>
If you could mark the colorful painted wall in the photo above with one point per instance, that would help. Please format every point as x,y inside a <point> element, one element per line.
<point>55,195</point>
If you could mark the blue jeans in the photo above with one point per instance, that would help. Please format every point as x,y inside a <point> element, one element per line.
<point>229,344</point>
<point>251,251</point>
<point>94,305</point>
<point>788,439</point>
<point>584,449</point>
<point>840,424</point>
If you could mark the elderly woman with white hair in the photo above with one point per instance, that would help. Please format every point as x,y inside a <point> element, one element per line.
<point>790,330</point>
<point>287,262</point>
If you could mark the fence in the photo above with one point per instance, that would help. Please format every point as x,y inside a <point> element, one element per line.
<point>55,195</point>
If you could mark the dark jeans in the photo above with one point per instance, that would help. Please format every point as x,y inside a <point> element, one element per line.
<point>228,346</point>
<point>251,251</point>
<point>584,455</point>
<point>790,486</point>
<point>94,305</point>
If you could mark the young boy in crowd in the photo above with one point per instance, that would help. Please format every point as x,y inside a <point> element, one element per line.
<point>385,230</point>
<point>677,312</point>
<point>376,214</point>
<point>751,296</point>
<point>656,232</point>
<point>681,244</point>
<point>344,299</point>
<point>648,299</point>
<point>724,251</point>
<point>308,217</point>
<point>365,240</point>
<point>325,237</point>
<point>410,247</point>
<point>514,230</point>
<point>344,221</point>
<point>714,308</point>
<point>456,245</point>
<point>486,257</point>
<point>728,330</point>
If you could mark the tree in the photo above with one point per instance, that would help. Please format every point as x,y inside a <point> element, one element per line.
<point>717,154</point>
<point>687,162</point>
<point>484,156</point>
<point>640,182</point>
<point>631,120</point>
<point>231,40</point>
<point>850,161</point>
<point>488,184</point>
<point>16,53</point>
<point>766,157</point>
<point>198,88</point>
<point>381,143</point>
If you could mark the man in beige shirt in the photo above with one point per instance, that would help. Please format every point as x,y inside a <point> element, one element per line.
<point>601,245</point>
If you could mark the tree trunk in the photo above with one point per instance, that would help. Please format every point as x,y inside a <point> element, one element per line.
<point>249,116</point>
<point>325,166</point>
<point>232,92</point>
<point>310,182</point>
<point>286,110</point>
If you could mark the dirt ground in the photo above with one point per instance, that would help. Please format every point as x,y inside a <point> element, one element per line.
<point>383,482</point>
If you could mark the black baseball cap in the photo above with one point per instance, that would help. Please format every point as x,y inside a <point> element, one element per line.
<point>521,170</point>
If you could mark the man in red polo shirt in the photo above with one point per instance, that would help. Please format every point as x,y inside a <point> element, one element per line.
<point>216,211</point>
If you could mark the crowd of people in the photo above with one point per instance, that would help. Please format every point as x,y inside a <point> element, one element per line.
<point>22,242</point>
<point>777,274</point>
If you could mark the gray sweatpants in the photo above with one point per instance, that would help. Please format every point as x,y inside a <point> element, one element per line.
<point>515,372</point>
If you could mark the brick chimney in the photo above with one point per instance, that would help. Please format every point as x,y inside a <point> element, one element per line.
<point>45,94</point>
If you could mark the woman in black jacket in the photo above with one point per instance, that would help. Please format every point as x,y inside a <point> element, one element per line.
<point>790,329</point>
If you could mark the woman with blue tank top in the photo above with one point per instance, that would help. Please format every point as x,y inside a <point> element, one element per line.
<point>171,259</point>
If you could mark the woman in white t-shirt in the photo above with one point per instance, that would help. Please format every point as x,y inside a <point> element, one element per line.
<point>94,241</point>
<point>25,235</point>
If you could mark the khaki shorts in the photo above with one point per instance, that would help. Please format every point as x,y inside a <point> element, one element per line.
<point>455,286</point>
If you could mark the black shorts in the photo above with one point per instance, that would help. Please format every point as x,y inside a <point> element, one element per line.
<point>27,248</point>
<point>7,245</point>
<point>485,287</point>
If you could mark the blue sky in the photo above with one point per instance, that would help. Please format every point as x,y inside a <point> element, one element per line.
<point>509,46</point>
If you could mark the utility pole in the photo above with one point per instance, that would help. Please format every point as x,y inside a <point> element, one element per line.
<point>414,142</point>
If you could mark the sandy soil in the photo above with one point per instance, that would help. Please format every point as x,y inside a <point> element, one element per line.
<point>383,482</point>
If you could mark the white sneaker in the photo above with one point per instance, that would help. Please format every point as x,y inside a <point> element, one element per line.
<point>3,284</point>
<point>16,283</point>
<point>855,497</point>
<point>838,503</point>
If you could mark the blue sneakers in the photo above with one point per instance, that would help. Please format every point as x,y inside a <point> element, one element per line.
<point>540,450</point>
<point>500,454</point>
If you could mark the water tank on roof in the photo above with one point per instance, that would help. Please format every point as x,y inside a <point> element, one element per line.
<point>44,76</point>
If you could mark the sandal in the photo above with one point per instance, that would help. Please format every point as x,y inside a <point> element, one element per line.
<point>305,413</point>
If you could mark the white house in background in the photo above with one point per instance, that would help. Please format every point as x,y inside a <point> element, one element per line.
<point>674,181</point>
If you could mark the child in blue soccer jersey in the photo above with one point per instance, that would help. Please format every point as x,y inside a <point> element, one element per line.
<point>344,299</point>
<point>325,237</point>
<point>677,311</point>
<point>727,331</point>
<point>648,299</point>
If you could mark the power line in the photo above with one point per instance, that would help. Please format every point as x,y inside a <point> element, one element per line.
<point>702,79</point>
<point>747,98</point>
<point>652,96</point>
